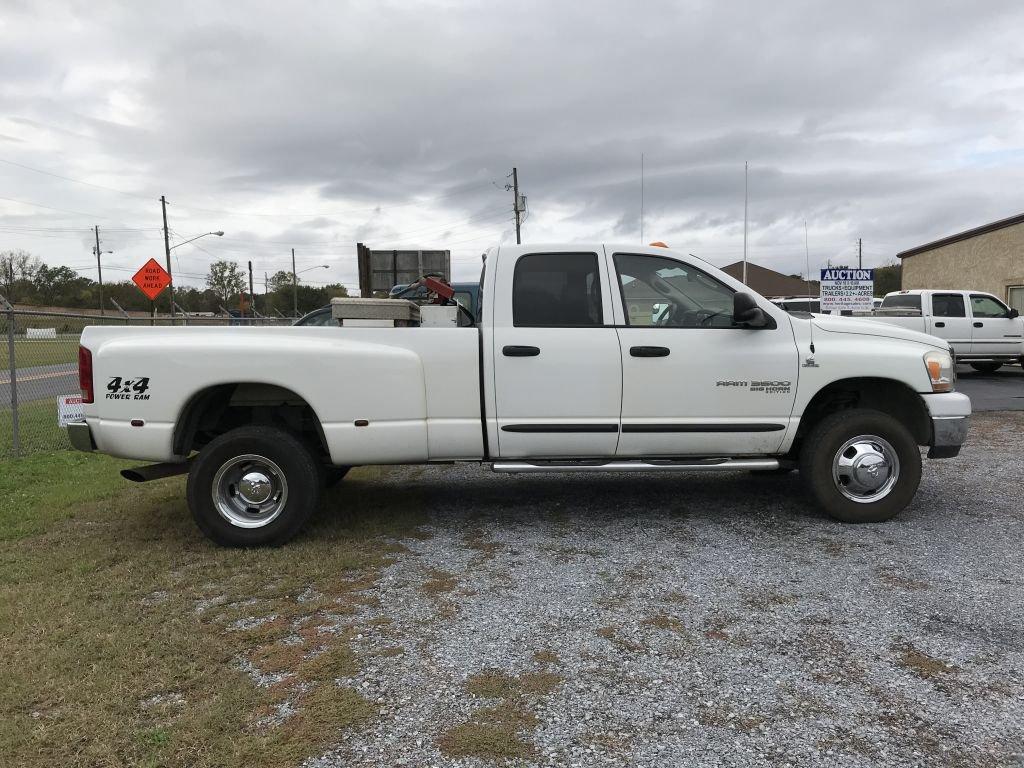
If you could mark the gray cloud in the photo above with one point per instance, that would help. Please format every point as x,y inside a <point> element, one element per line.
<point>895,122</point>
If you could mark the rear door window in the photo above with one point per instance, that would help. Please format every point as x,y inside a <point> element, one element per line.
<point>557,290</point>
<point>948,305</point>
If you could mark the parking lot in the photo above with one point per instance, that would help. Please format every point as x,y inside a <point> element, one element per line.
<point>459,618</point>
<point>707,620</point>
<point>449,616</point>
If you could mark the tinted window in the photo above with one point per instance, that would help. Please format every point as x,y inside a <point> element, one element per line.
<point>664,292</point>
<point>902,301</point>
<point>948,305</point>
<point>556,290</point>
<point>986,306</point>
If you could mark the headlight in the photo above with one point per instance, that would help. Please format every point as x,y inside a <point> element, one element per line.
<point>940,371</point>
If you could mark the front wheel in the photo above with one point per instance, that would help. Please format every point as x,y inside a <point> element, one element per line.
<point>986,367</point>
<point>253,486</point>
<point>861,466</point>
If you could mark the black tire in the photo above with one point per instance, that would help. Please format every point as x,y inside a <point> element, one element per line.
<point>821,450</point>
<point>986,367</point>
<point>264,452</point>
<point>331,475</point>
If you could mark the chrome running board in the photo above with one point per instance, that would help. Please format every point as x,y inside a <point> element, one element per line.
<point>685,465</point>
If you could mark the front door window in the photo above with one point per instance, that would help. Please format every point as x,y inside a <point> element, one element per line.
<point>667,293</point>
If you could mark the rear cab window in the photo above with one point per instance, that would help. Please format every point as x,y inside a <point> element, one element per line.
<point>902,301</point>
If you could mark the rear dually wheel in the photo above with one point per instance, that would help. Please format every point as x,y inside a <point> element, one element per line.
<point>253,486</point>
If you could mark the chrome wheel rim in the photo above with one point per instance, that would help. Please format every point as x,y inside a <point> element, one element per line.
<point>250,491</point>
<point>865,469</point>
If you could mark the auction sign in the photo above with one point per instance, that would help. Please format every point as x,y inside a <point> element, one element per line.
<point>849,289</point>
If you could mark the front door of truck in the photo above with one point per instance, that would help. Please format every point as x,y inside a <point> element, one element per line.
<point>557,371</point>
<point>995,333</point>
<point>949,321</point>
<point>692,383</point>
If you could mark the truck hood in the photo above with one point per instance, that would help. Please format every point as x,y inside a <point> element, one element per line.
<point>840,324</point>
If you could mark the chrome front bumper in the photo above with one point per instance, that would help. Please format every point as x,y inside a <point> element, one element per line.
<point>81,436</point>
<point>948,434</point>
<point>951,415</point>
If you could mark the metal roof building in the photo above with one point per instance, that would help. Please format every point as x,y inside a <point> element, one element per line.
<point>986,258</point>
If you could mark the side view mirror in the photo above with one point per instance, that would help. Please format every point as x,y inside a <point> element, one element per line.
<point>745,312</point>
<point>1013,313</point>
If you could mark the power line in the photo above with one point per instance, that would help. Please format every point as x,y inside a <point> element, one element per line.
<point>226,212</point>
<point>75,181</point>
<point>52,208</point>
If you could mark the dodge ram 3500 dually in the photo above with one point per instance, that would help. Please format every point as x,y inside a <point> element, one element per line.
<point>585,358</point>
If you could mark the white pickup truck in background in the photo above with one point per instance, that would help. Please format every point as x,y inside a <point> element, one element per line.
<point>585,358</point>
<point>981,330</point>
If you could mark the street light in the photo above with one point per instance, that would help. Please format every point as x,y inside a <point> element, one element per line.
<point>186,242</point>
<point>171,248</point>
<point>295,282</point>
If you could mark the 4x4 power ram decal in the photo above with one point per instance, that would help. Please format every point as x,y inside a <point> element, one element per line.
<point>119,388</point>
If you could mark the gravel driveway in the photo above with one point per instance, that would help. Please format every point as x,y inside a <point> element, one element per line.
<point>699,620</point>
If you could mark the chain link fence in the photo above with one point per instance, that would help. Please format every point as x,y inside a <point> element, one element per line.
<point>39,370</point>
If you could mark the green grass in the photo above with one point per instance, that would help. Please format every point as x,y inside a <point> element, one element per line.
<point>37,428</point>
<point>30,352</point>
<point>115,619</point>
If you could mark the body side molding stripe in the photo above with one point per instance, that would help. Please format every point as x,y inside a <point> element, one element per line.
<point>552,428</point>
<point>703,427</point>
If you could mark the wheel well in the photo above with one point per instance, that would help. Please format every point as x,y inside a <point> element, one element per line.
<point>219,409</point>
<point>886,395</point>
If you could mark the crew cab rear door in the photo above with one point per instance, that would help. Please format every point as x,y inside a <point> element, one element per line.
<point>557,373</point>
<point>948,320</point>
<point>693,384</point>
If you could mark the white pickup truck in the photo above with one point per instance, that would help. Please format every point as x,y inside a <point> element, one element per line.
<point>585,358</point>
<point>981,330</point>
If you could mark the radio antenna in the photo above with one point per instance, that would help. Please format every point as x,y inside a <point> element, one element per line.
<point>807,266</point>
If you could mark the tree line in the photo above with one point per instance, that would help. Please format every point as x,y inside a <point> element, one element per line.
<point>26,279</point>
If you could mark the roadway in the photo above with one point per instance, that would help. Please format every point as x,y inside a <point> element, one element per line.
<point>40,382</point>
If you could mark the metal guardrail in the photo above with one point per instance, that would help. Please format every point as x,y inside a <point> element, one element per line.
<point>40,367</point>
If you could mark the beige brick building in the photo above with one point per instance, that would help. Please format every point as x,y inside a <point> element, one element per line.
<point>987,258</point>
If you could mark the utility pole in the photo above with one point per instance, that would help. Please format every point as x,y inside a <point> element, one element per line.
<point>252,295</point>
<point>745,164</point>
<point>167,253</point>
<point>860,253</point>
<point>99,268</point>
<point>295,288</point>
<point>641,198</point>
<point>515,202</point>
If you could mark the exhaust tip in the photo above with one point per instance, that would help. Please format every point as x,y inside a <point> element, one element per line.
<point>134,475</point>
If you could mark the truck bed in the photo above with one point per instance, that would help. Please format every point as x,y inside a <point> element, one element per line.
<point>424,404</point>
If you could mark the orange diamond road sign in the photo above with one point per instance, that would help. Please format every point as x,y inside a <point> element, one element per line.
<point>152,279</point>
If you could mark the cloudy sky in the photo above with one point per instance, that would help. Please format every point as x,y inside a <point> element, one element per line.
<point>316,125</point>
